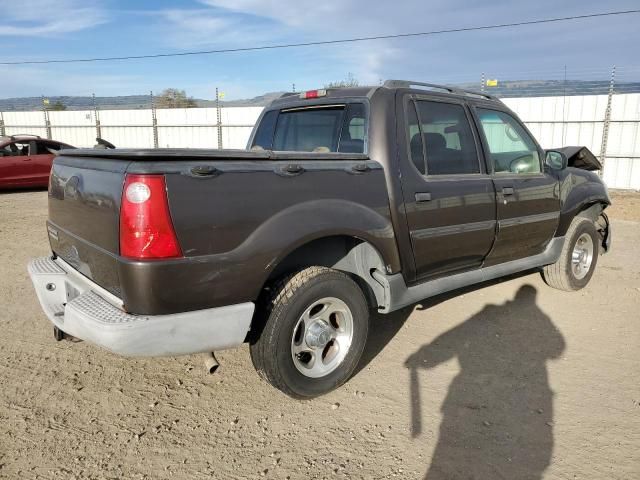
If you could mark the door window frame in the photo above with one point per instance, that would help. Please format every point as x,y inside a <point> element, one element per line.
<point>410,101</point>
<point>487,151</point>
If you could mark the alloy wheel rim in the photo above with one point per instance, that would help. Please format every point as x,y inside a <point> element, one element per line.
<point>582,256</point>
<point>322,337</point>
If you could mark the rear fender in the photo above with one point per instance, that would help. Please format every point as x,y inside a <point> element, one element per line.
<point>303,223</point>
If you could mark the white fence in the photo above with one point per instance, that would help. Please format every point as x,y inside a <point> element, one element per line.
<point>174,127</point>
<point>580,120</point>
<point>555,121</point>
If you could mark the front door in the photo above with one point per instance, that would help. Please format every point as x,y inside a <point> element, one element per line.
<point>14,164</point>
<point>528,201</point>
<point>449,198</point>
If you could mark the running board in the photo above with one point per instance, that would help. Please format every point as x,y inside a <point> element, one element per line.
<point>398,295</point>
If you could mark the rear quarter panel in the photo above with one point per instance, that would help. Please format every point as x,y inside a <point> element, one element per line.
<point>235,227</point>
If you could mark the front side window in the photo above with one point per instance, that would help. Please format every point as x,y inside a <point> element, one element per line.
<point>15,149</point>
<point>447,138</point>
<point>511,148</point>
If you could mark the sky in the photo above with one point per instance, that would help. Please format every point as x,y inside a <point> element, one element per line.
<point>65,29</point>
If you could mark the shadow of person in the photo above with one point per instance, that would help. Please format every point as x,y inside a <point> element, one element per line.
<point>498,414</point>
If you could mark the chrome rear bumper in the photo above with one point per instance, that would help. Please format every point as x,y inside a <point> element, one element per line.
<point>83,309</point>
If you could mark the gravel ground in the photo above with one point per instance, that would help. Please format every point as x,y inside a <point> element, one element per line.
<point>512,380</point>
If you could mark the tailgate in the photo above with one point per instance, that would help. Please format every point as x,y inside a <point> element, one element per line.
<point>84,207</point>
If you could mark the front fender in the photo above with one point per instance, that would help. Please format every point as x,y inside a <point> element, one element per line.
<point>579,190</point>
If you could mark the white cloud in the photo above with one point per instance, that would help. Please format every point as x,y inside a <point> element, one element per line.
<point>48,17</point>
<point>199,28</point>
<point>307,20</point>
<point>241,23</point>
<point>21,81</point>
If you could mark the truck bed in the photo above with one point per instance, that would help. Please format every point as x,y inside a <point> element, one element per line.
<point>235,213</point>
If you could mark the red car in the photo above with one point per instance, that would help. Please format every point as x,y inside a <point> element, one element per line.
<point>25,160</point>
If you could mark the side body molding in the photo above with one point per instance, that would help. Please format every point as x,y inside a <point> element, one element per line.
<point>398,294</point>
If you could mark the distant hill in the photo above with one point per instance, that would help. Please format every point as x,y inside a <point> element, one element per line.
<point>509,88</point>
<point>120,103</point>
<point>539,88</point>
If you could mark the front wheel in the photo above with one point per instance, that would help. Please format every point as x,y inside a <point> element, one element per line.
<point>578,259</point>
<point>314,334</point>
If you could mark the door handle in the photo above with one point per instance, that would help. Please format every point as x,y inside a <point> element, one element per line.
<point>423,197</point>
<point>507,191</point>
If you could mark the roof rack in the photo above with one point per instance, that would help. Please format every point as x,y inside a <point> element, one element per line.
<point>456,90</point>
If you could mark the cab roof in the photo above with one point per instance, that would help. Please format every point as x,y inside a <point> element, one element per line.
<point>368,91</point>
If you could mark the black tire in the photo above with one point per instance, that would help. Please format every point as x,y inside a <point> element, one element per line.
<point>561,275</point>
<point>287,300</point>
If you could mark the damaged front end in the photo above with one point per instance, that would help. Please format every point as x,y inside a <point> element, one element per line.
<point>579,157</point>
<point>600,219</point>
<point>604,230</point>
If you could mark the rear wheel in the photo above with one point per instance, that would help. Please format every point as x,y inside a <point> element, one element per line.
<point>578,259</point>
<point>314,333</point>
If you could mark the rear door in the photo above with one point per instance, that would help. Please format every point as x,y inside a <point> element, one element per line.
<point>449,198</point>
<point>40,159</point>
<point>528,201</point>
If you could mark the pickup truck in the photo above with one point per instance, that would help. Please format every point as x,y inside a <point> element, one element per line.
<point>346,201</point>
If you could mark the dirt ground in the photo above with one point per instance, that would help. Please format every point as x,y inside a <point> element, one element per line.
<point>512,380</point>
<point>625,205</point>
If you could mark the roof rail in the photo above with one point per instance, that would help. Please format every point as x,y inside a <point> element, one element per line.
<point>447,88</point>
<point>15,135</point>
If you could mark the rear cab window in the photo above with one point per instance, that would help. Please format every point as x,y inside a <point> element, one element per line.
<point>319,128</point>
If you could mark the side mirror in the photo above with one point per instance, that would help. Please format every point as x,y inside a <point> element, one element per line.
<point>556,160</point>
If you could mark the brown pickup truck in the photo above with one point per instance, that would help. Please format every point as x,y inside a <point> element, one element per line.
<point>346,201</point>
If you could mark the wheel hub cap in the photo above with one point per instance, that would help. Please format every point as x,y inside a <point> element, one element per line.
<point>318,334</point>
<point>582,256</point>
<point>322,337</point>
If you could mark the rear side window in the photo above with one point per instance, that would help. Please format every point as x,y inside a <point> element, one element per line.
<point>45,148</point>
<point>447,137</point>
<point>415,139</point>
<point>264,135</point>
<point>353,132</point>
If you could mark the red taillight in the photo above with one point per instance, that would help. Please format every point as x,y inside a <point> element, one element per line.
<point>314,94</point>
<point>146,230</point>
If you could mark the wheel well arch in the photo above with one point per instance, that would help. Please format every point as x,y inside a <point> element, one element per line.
<point>592,209</point>
<point>349,254</point>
